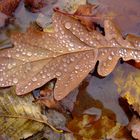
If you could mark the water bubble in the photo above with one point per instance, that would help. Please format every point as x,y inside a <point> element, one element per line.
<point>48,74</point>
<point>1,79</point>
<point>77,67</point>
<point>15,80</point>
<point>71,44</point>
<point>17,55</point>
<point>9,66</point>
<point>110,58</point>
<point>112,53</point>
<point>67,25</point>
<point>14,63</point>
<point>34,79</point>
<point>29,54</point>
<point>72,59</point>
<point>58,73</point>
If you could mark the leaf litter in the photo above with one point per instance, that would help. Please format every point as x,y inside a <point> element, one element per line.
<point>83,41</point>
<point>20,117</point>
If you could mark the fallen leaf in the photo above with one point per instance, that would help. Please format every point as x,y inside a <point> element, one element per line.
<point>135,40</point>
<point>45,95</point>
<point>134,126</point>
<point>38,57</point>
<point>86,127</point>
<point>35,5</point>
<point>44,18</point>
<point>19,116</point>
<point>85,13</point>
<point>128,85</point>
<point>8,6</point>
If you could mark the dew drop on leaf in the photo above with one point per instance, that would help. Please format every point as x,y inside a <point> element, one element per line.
<point>15,80</point>
<point>34,79</point>
<point>58,73</point>
<point>67,25</point>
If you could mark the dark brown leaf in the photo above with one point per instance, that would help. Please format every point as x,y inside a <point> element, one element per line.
<point>8,6</point>
<point>34,5</point>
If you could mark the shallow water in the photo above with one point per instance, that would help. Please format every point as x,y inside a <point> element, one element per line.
<point>98,93</point>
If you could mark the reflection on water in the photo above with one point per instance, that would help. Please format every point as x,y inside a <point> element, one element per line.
<point>105,90</point>
<point>127,13</point>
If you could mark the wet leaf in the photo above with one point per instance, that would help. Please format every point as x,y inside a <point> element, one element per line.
<point>134,126</point>
<point>19,116</point>
<point>35,5</point>
<point>8,6</point>
<point>128,85</point>
<point>85,13</point>
<point>44,18</point>
<point>39,57</point>
<point>86,127</point>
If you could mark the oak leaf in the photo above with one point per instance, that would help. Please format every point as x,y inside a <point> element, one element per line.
<point>127,79</point>
<point>68,54</point>
<point>19,116</point>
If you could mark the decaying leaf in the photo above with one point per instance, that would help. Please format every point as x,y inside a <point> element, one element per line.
<point>85,13</point>
<point>19,116</point>
<point>135,40</point>
<point>8,6</point>
<point>86,127</point>
<point>134,126</point>
<point>68,54</point>
<point>35,5</point>
<point>128,85</point>
<point>45,95</point>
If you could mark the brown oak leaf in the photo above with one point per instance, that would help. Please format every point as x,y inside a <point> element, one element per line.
<point>135,40</point>
<point>68,54</point>
<point>85,13</point>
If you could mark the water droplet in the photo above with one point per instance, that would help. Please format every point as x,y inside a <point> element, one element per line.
<point>23,53</point>
<point>58,73</point>
<point>71,44</point>
<point>48,74</point>
<point>9,55</point>
<point>76,71</point>
<point>14,63</point>
<point>67,25</point>
<point>43,76</point>
<point>110,58</point>
<point>1,79</point>
<point>34,79</point>
<point>29,54</point>
<point>72,59</point>
<point>17,55</point>
<point>112,53</point>
<point>9,66</point>
<point>15,80</point>
<point>103,53</point>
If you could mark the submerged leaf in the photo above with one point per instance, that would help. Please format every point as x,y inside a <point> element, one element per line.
<point>19,116</point>
<point>128,85</point>
<point>35,5</point>
<point>8,6</point>
<point>134,126</point>
<point>68,54</point>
